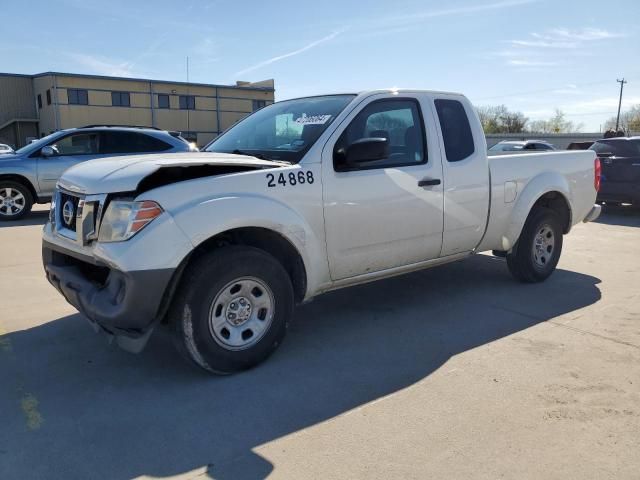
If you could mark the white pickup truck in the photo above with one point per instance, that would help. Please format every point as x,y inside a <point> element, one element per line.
<point>301,197</point>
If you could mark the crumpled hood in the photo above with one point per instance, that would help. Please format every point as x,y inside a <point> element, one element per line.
<point>124,173</point>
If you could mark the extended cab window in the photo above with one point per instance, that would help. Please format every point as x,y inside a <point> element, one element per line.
<point>397,120</point>
<point>79,144</point>
<point>456,131</point>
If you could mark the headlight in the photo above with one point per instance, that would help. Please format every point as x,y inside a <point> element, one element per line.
<point>123,219</point>
<point>52,210</point>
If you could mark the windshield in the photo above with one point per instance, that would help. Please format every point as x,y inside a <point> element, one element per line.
<point>282,131</point>
<point>36,144</point>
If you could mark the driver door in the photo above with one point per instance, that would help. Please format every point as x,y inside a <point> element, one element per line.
<point>68,151</point>
<point>385,213</point>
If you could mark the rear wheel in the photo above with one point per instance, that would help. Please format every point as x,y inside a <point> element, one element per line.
<point>15,200</point>
<point>232,309</point>
<point>537,252</point>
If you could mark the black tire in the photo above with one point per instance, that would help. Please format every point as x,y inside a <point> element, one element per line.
<point>25,203</point>
<point>525,264</point>
<point>192,311</point>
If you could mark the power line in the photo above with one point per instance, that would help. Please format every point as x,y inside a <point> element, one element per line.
<point>533,92</point>
<point>587,114</point>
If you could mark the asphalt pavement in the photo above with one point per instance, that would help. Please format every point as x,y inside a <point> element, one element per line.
<point>453,372</point>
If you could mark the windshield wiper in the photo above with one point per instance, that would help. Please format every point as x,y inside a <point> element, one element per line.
<point>255,155</point>
<point>260,156</point>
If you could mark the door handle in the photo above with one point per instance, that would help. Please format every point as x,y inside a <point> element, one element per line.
<point>429,182</point>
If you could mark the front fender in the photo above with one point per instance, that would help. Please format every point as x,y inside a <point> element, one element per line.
<point>213,216</point>
<point>16,168</point>
<point>538,186</point>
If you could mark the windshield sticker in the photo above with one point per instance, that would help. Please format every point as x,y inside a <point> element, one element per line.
<point>312,119</point>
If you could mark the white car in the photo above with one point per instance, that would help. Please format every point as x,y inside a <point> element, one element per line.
<point>301,197</point>
<point>5,149</point>
<point>508,147</point>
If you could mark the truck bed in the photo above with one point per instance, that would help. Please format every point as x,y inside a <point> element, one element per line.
<point>515,178</point>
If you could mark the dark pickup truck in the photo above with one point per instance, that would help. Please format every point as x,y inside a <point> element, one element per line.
<point>620,159</point>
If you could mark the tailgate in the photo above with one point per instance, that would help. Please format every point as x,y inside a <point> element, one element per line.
<point>621,169</point>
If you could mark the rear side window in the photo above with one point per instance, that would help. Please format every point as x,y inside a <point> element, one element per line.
<point>130,142</point>
<point>456,131</point>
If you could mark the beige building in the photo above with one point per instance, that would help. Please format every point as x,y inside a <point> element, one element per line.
<point>36,105</point>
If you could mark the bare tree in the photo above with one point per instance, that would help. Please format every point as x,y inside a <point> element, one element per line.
<point>498,119</point>
<point>629,120</point>
<point>556,124</point>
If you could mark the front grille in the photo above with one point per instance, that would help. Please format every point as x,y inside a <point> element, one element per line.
<point>77,216</point>
<point>68,208</point>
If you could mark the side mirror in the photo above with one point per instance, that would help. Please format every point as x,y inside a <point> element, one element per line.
<point>48,151</point>
<point>367,150</point>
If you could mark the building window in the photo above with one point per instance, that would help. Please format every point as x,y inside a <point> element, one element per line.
<point>187,102</point>
<point>39,101</point>
<point>258,104</point>
<point>48,97</point>
<point>120,99</point>
<point>77,96</point>
<point>163,101</point>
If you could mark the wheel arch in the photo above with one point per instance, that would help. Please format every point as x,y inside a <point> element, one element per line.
<point>261,238</point>
<point>13,177</point>
<point>268,241</point>
<point>550,190</point>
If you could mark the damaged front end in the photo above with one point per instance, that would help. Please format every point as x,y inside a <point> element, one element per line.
<point>124,305</point>
<point>115,257</point>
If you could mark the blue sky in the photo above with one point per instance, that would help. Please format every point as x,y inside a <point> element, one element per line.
<point>532,55</point>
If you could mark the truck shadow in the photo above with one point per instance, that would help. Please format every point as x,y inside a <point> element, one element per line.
<point>106,413</point>
<point>38,217</point>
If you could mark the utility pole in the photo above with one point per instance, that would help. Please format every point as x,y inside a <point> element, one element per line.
<point>188,101</point>
<point>621,82</point>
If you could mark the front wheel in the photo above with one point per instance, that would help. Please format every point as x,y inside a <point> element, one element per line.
<point>537,252</point>
<point>232,309</point>
<point>15,200</point>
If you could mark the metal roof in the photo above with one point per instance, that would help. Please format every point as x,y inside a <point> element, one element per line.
<point>133,79</point>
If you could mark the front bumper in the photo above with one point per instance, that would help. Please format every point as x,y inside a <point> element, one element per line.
<point>125,305</point>
<point>593,214</point>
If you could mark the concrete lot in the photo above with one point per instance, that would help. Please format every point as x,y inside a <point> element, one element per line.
<point>455,372</point>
